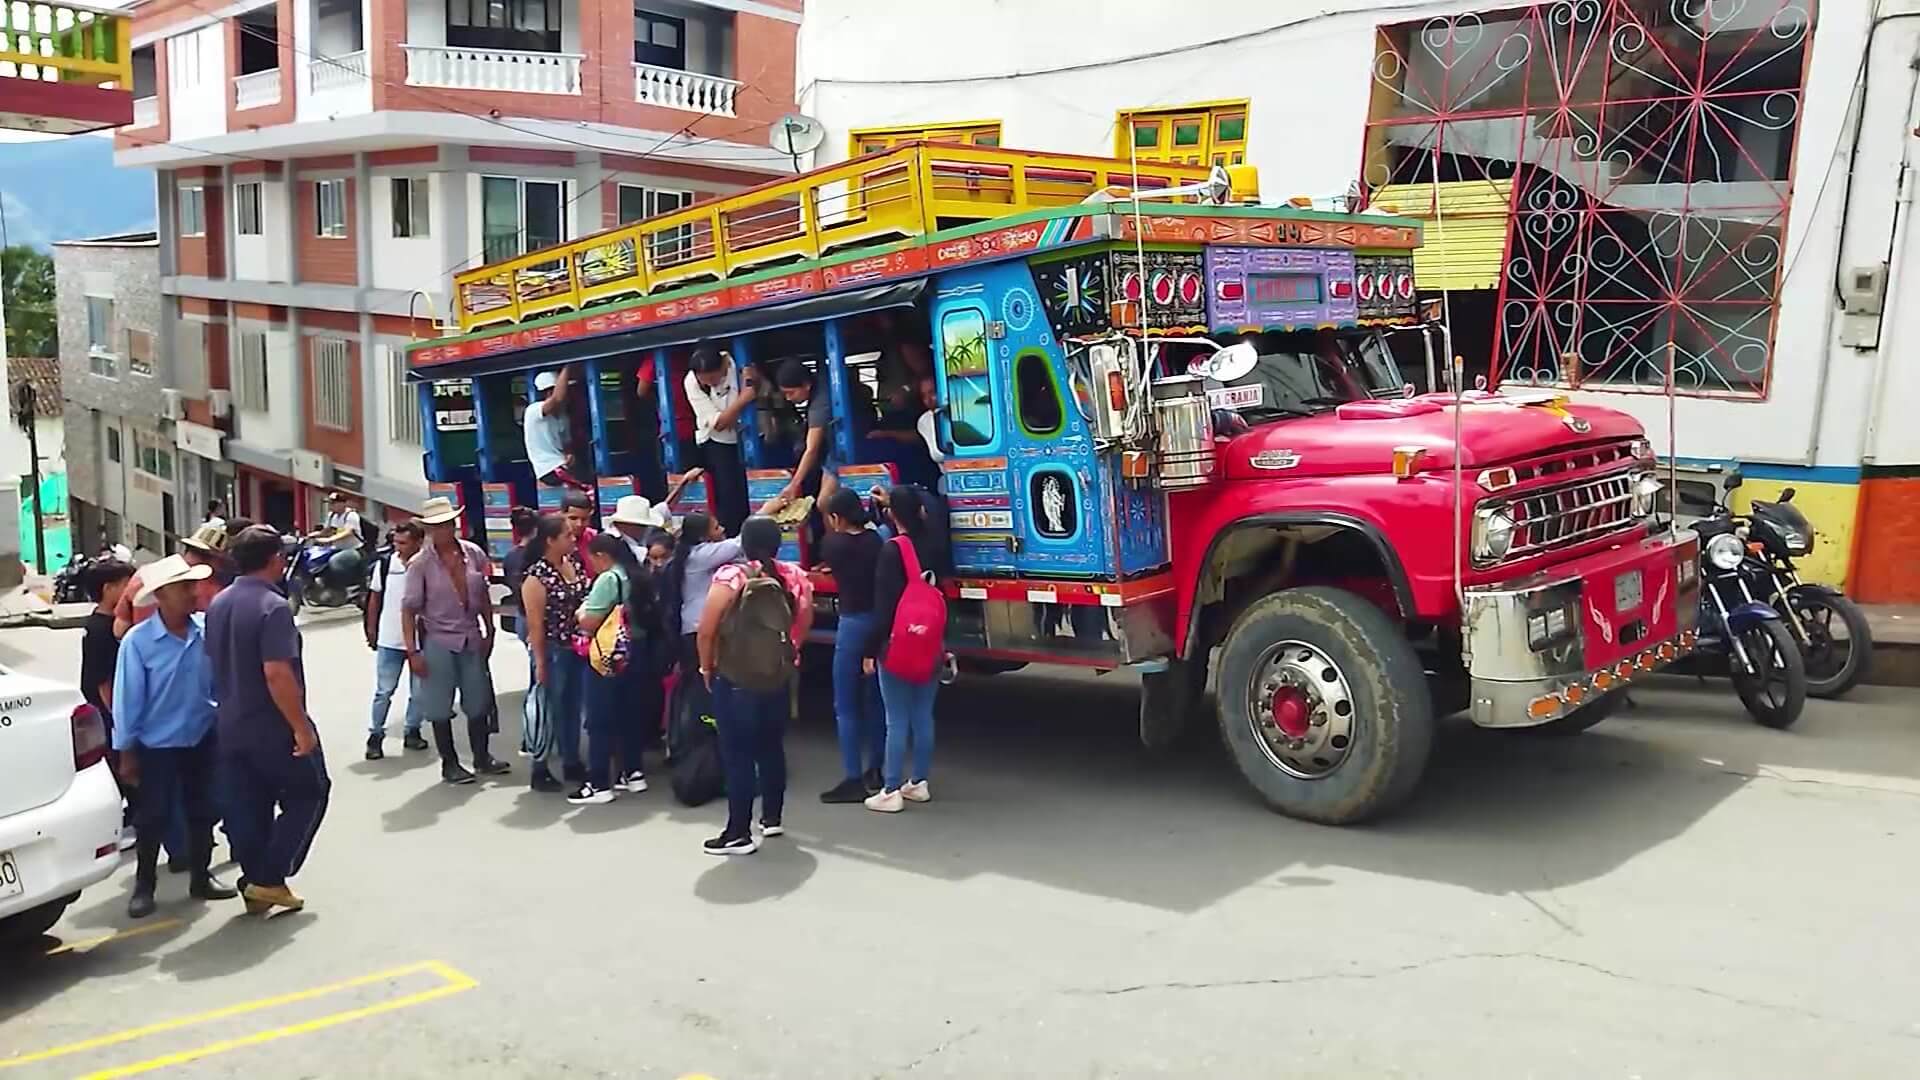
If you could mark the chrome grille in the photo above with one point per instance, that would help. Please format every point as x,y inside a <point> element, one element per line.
<point>1568,515</point>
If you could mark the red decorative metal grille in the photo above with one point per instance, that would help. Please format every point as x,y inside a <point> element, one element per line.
<point>1649,147</point>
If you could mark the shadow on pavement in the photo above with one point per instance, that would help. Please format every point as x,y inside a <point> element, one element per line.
<point>244,941</point>
<point>425,806</point>
<point>779,868</point>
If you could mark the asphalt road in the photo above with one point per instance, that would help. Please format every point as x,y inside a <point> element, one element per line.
<point>1677,893</point>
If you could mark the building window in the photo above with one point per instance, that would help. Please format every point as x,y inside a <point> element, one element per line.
<point>410,207</point>
<point>147,539</point>
<point>660,40</point>
<point>332,384</point>
<point>1036,395</point>
<point>518,216</point>
<point>250,389</point>
<point>330,208</point>
<point>963,348</point>
<point>403,400</point>
<point>190,358</point>
<point>865,141</point>
<point>113,450</point>
<point>639,203</point>
<point>1209,133</point>
<point>246,209</point>
<point>193,211</point>
<point>519,25</point>
<point>152,456</point>
<point>1633,166</point>
<point>100,356</point>
<point>140,352</point>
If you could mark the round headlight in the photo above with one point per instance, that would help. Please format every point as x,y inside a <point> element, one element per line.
<point>1493,535</point>
<point>1725,551</point>
<point>1646,490</point>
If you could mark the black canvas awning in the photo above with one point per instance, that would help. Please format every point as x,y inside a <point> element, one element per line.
<point>720,327</point>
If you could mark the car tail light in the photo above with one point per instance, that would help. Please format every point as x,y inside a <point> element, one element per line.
<point>89,737</point>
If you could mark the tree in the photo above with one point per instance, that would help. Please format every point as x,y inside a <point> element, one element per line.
<point>26,291</point>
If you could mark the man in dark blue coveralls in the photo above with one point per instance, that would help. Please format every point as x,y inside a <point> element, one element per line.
<point>269,750</point>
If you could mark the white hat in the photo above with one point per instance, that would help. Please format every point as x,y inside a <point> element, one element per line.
<point>438,511</point>
<point>544,381</point>
<point>167,571</point>
<point>639,510</point>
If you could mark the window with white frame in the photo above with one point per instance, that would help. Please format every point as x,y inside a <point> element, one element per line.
<point>518,216</point>
<point>113,445</point>
<point>637,203</point>
<point>330,208</point>
<point>140,352</point>
<point>246,209</point>
<point>410,202</point>
<point>403,400</point>
<point>332,384</point>
<point>193,211</point>
<point>250,388</point>
<point>100,356</point>
<point>152,455</point>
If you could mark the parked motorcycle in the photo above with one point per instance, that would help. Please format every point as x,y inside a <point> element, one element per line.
<point>1836,656</point>
<point>322,575</point>
<point>70,584</point>
<point>1763,658</point>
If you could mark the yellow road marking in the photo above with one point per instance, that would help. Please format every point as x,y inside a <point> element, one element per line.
<point>120,935</point>
<point>456,981</point>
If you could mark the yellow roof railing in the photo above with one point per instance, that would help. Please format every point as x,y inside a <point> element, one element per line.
<point>60,42</point>
<point>909,191</point>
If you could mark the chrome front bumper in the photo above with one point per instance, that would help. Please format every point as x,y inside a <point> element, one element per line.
<point>1539,648</point>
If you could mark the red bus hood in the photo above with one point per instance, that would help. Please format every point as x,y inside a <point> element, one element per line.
<point>1360,437</point>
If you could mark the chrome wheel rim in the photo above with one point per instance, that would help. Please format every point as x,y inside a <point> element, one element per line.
<point>1300,709</point>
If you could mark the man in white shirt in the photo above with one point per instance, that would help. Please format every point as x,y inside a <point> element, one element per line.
<point>545,430</point>
<point>717,398</point>
<point>389,644</point>
<point>342,527</point>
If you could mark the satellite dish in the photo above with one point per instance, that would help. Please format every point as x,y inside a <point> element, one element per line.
<point>1230,364</point>
<point>795,134</point>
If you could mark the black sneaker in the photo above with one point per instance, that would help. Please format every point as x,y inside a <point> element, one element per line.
<point>413,740</point>
<point>588,795</point>
<point>731,845</point>
<point>374,749</point>
<point>453,772</point>
<point>543,780</point>
<point>846,791</point>
<point>871,778</point>
<point>491,766</point>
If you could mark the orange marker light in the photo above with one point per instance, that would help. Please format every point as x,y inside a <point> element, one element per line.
<point>1602,680</point>
<point>1405,460</point>
<point>1543,707</point>
<point>1576,694</point>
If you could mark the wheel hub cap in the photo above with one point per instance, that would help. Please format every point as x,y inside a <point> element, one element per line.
<point>1290,712</point>
<point>1300,707</point>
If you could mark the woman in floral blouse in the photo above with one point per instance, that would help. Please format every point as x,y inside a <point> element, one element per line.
<point>555,584</point>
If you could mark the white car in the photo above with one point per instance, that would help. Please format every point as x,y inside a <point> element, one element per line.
<point>59,806</point>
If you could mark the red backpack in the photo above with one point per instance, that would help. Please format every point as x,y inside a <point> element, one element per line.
<point>918,640</point>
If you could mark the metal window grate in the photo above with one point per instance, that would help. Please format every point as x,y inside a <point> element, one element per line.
<point>250,390</point>
<point>332,384</point>
<point>403,401</point>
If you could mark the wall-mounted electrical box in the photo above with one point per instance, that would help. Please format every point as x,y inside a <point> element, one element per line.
<point>1863,293</point>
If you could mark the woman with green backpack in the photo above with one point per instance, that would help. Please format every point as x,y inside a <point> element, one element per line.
<point>756,617</point>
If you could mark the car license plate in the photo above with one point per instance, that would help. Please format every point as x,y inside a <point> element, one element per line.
<point>1627,591</point>
<point>10,883</point>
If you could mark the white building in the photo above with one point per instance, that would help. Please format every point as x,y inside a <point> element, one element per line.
<point>1608,185</point>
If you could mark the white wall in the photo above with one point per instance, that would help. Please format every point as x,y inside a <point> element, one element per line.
<point>1309,75</point>
<point>197,83</point>
<point>408,263</point>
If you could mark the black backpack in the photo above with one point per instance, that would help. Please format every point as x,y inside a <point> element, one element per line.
<point>693,748</point>
<point>369,535</point>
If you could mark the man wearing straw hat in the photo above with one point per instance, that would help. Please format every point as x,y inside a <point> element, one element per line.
<point>203,548</point>
<point>164,727</point>
<point>447,628</point>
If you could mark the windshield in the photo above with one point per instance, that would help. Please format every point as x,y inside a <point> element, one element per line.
<point>1308,372</point>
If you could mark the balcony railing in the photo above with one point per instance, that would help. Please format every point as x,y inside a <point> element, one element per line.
<point>689,90</point>
<point>339,72</point>
<point>453,67</point>
<point>71,43</point>
<point>146,111</point>
<point>259,88</point>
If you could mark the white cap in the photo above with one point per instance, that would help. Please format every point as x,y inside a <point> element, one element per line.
<point>544,381</point>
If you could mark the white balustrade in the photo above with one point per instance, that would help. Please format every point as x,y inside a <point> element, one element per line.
<point>458,68</point>
<point>259,88</point>
<point>689,90</point>
<point>146,111</point>
<point>339,72</point>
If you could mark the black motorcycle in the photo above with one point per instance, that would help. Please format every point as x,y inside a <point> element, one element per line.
<point>70,584</point>
<point>1832,632</point>
<point>1763,658</point>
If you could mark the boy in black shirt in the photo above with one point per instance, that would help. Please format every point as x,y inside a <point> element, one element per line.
<point>99,650</point>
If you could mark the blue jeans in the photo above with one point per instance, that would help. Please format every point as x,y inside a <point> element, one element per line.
<point>752,728</point>
<point>557,734</point>
<point>909,713</point>
<point>619,708</point>
<point>859,715</point>
<point>259,780</point>
<point>388,664</point>
<point>448,671</point>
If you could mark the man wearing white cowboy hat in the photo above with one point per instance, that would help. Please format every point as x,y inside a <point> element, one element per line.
<point>636,516</point>
<point>164,716</point>
<point>447,628</point>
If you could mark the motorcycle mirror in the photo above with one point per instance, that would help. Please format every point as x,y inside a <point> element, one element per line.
<point>1786,495</point>
<point>1733,481</point>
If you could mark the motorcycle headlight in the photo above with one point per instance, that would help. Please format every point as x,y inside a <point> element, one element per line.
<point>1492,534</point>
<point>1725,551</point>
<point>1646,492</point>
<point>1798,543</point>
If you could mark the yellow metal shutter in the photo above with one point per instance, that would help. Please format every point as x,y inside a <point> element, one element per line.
<point>1465,240</point>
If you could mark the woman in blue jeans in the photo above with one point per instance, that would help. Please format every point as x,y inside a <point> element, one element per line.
<point>909,704</point>
<point>555,585</point>
<point>620,704</point>
<point>851,551</point>
<point>752,722</point>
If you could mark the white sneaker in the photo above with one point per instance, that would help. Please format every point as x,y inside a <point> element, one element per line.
<point>774,829</point>
<point>588,795</point>
<point>887,802</point>
<point>633,783</point>
<point>917,791</point>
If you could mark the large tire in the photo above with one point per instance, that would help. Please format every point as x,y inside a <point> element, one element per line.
<point>25,927</point>
<point>1776,697</point>
<point>1834,666</point>
<point>1582,718</point>
<point>1328,667</point>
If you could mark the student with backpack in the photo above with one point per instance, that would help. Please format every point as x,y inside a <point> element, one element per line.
<point>756,617</point>
<point>908,646</point>
<point>851,551</point>
<point>619,632</point>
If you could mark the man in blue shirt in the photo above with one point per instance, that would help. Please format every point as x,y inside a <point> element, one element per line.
<point>163,727</point>
<point>269,752</point>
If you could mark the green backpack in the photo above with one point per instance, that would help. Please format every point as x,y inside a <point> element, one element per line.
<point>756,636</point>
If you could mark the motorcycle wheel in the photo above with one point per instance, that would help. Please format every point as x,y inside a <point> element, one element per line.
<point>1836,656</point>
<point>294,598</point>
<point>1775,689</point>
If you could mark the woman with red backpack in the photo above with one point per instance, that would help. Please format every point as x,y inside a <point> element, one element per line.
<point>908,645</point>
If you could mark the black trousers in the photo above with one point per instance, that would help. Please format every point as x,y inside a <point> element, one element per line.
<point>184,775</point>
<point>727,479</point>
<point>271,848</point>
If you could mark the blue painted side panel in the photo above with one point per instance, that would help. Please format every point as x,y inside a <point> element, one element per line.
<point>1140,519</point>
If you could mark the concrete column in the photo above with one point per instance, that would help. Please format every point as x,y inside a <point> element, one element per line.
<point>229,219</point>
<point>459,247</point>
<point>586,208</point>
<point>166,223</point>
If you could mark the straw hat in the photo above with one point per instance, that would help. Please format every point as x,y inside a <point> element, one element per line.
<point>209,538</point>
<point>639,510</point>
<point>438,511</point>
<point>168,571</point>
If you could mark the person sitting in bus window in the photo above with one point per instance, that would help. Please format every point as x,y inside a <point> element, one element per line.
<point>717,398</point>
<point>545,424</point>
<point>818,468</point>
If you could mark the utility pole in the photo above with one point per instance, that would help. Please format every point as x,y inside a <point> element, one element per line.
<point>26,410</point>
